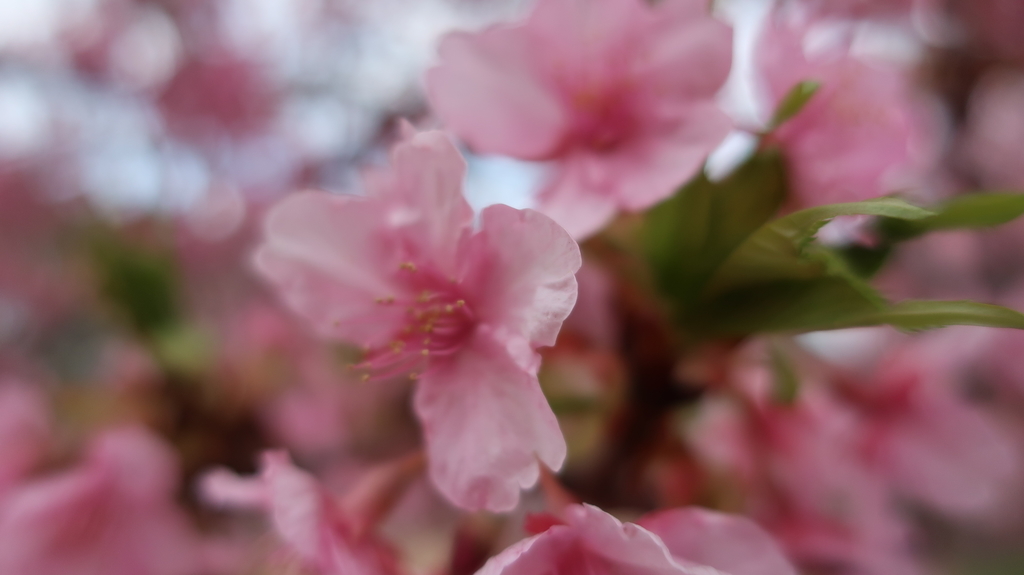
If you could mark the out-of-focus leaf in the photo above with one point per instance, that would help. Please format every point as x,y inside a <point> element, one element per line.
<point>913,315</point>
<point>981,210</point>
<point>183,349</point>
<point>794,102</point>
<point>775,251</point>
<point>688,236</point>
<point>141,284</point>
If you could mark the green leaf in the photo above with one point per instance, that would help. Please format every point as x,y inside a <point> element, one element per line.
<point>784,306</point>
<point>183,349</point>
<point>794,102</point>
<point>980,210</point>
<point>775,251</point>
<point>833,303</point>
<point>140,283</point>
<point>914,315</point>
<point>688,236</point>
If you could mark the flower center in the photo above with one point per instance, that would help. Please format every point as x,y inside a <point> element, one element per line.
<point>437,323</point>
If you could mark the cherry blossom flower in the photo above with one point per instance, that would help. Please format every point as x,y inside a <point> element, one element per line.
<point>404,274</point>
<point>929,443</point>
<point>114,514</point>
<point>803,478</point>
<point>313,527</point>
<point>681,541</point>
<point>862,133</point>
<point>618,93</point>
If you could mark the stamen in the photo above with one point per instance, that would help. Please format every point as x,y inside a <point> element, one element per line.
<point>407,266</point>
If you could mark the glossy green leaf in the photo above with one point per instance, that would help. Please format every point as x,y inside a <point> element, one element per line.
<point>689,235</point>
<point>834,303</point>
<point>775,251</point>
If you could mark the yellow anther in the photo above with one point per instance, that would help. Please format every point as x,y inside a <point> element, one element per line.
<point>449,308</point>
<point>460,303</point>
<point>407,266</point>
<point>385,300</point>
<point>414,376</point>
<point>426,341</point>
<point>365,377</point>
<point>397,345</point>
<point>425,352</point>
<point>424,297</point>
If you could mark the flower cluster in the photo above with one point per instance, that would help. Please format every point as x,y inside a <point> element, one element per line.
<point>235,342</point>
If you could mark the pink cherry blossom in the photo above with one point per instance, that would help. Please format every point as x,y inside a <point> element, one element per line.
<point>618,93</point>
<point>24,432</point>
<point>861,134</point>
<point>931,444</point>
<point>803,478</point>
<point>307,520</point>
<point>114,514</point>
<point>403,273</point>
<point>682,542</point>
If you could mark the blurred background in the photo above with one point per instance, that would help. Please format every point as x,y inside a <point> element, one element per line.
<point>142,140</point>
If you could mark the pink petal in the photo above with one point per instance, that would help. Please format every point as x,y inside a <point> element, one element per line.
<point>685,38</point>
<point>486,424</point>
<point>730,543</point>
<point>487,90</point>
<point>626,544</point>
<point>576,201</point>
<point>653,169</point>
<point>951,456</point>
<point>330,258</point>
<point>101,518</point>
<point>592,543</point>
<point>297,505</point>
<point>529,262</point>
<point>423,188</point>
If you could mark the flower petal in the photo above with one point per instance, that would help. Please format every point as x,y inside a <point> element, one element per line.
<point>527,264</point>
<point>331,260</point>
<point>486,424</point>
<point>730,543</point>
<point>423,190</point>
<point>487,91</point>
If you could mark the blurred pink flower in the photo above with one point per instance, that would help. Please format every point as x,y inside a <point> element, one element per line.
<point>112,515</point>
<point>617,92</point>
<point>930,444</point>
<point>995,129</point>
<point>24,432</point>
<point>313,526</point>
<point>802,478</point>
<point>682,541</point>
<point>404,274</point>
<point>860,136</point>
